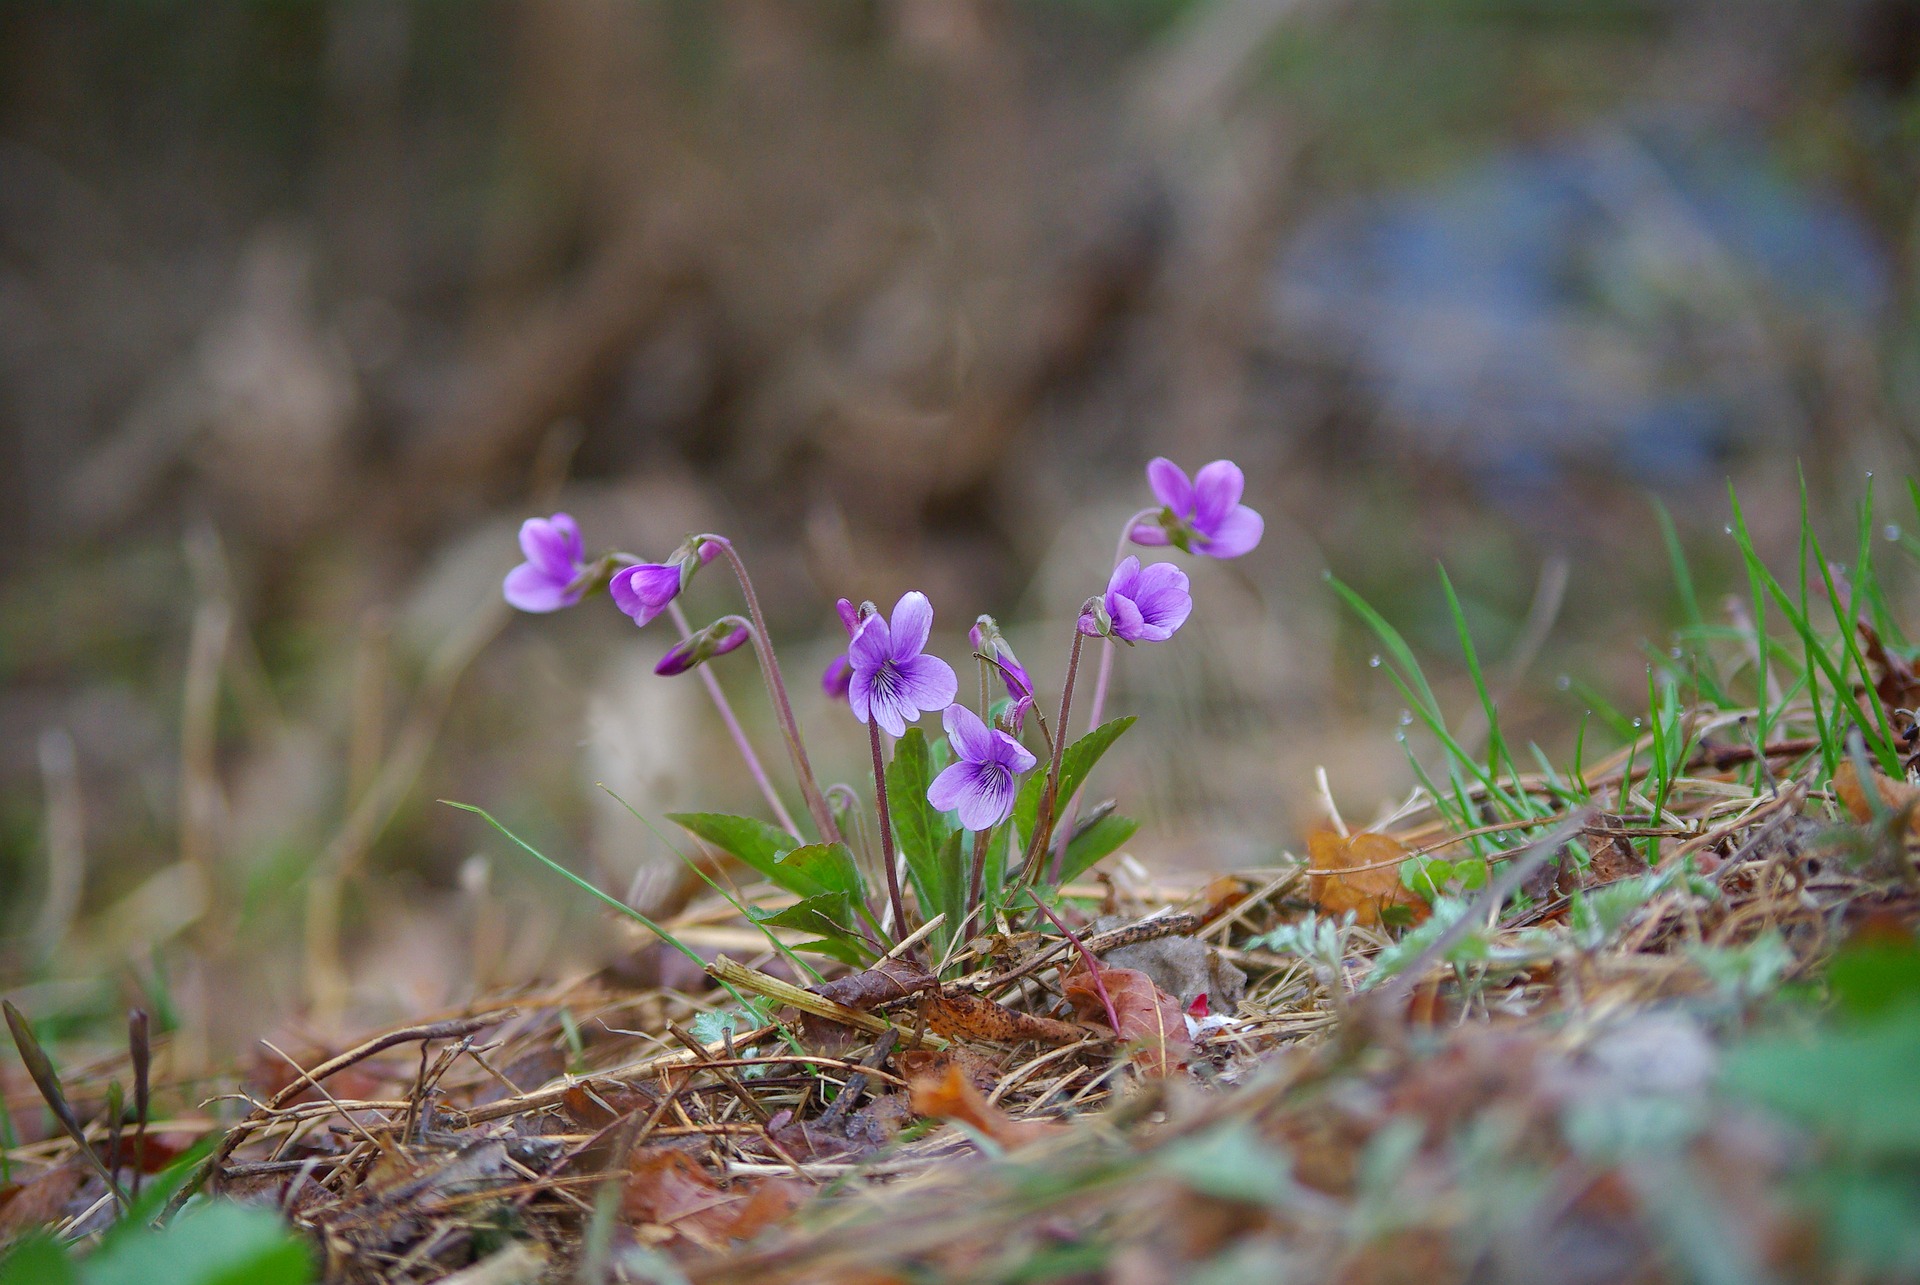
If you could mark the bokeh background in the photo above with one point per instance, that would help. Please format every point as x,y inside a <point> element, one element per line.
<point>305,304</point>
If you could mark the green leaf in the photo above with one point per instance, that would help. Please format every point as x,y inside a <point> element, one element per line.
<point>830,914</point>
<point>928,840</point>
<point>753,841</point>
<point>1861,1087</point>
<point>1231,1162</point>
<point>39,1259</point>
<point>827,865</point>
<point>217,1243</point>
<point>1075,764</point>
<point>1871,978</point>
<point>1095,842</point>
<point>839,948</point>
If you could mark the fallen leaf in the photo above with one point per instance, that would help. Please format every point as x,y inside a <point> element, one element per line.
<point>889,980</point>
<point>39,1201</point>
<point>1894,795</point>
<point>947,1094</point>
<point>963,1016</point>
<point>1359,872</point>
<point>1148,1016</point>
<point>982,1071</point>
<point>669,1188</point>
<point>599,1105</point>
<point>1894,681</point>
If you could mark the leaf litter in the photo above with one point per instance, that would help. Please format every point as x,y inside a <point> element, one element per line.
<point>1388,1061</point>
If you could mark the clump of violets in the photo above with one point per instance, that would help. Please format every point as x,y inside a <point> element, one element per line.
<point>979,786</point>
<point>1201,516</point>
<point>889,678</point>
<point>555,572</point>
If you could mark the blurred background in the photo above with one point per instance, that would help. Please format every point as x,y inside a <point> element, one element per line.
<point>304,305</point>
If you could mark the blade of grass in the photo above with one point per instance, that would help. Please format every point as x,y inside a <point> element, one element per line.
<point>47,1080</point>
<point>732,899</point>
<point>611,901</point>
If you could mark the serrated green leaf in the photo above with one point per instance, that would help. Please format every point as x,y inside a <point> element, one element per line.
<point>828,865</point>
<point>1075,764</point>
<point>830,914</point>
<point>753,841</point>
<point>1095,842</point>
<point>838,948</point>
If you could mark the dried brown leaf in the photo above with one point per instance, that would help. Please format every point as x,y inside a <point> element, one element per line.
<point>947,1094</point>
<point>979,1069</point>
<point>964,1016</point>
<point>597,1106</point>
<point>889,980</point>
<point>668,1188</point>
<point>1149,1017</point>
<point>1894,795</point>
<point>1358,872</point>
<point>39,1201</point>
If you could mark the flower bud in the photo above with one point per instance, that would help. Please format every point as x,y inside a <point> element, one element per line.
<point>1095,621</point>
<point>717,639</point>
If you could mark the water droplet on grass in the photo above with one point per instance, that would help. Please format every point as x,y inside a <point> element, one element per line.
<point>1891,531</point>
<point>1373,661</point>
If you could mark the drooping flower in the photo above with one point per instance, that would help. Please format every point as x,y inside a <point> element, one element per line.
<point>551,577</point>
<point>643,591</point>
<point>838,675</point>
<point>717,639</point>
<point>892,682</point>
<point>1142,604</point>
<point>980,783</point>
<point>988,641</point>
<point>1203,515</point>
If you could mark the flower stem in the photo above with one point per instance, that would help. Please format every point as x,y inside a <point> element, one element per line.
<point>734,729</point>
<point>1106,651</point>
<point>886,835</point>
<point>1043,820</point>
<point>1100,681</point>
<point>980,836</point>
<point>777,694</point>
<point>1093,965</point>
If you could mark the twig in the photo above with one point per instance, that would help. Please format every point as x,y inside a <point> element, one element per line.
<point>448,1030</point>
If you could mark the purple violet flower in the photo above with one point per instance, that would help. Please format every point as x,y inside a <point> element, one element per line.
<point>979,786</point>
<point>1201,516</point>
<point>556,559</point>
<point>988,641</point>
<point>1142,604</point>
<point>717,639</point>
<point>644,591</point>
<point>893,683</point>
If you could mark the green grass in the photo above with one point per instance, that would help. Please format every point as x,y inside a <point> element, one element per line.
<point>1800,672</point>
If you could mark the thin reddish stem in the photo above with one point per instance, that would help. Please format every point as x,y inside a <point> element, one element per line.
<point>738,733</point>
<point>901,932</point>
<point>777,694</point>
